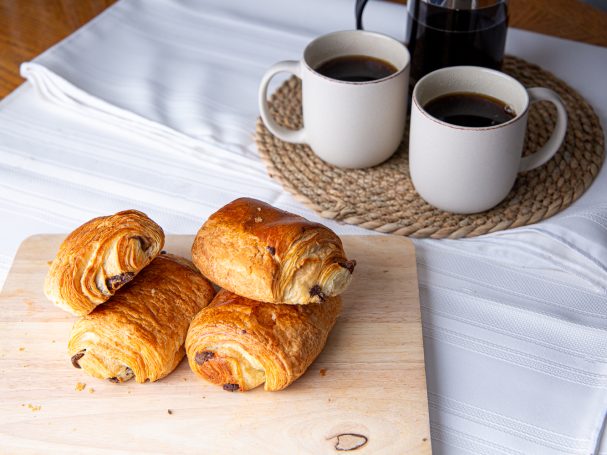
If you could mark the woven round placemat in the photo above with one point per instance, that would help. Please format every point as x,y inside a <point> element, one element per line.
<point>382,198</point>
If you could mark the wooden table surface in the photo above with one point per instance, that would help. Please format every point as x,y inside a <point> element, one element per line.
<point>28,27</point>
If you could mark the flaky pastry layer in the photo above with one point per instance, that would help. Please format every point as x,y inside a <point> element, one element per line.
<point>240,343</point>
<point>141,331</point>
<point>258,251</point>
<point>99,257</point>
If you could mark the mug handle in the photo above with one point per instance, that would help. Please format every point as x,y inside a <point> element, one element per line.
<point>360,6</point>
<point>285,134</point>
<point>556,139</point>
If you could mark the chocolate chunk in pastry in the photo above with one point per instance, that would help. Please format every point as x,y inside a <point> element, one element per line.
<point>263,253</point>
<point>77,357</point>
<point>140,332</point>
<point>203,356</point>
<point>100,257</point>
<point>239,343</point>
<point>114,283</point>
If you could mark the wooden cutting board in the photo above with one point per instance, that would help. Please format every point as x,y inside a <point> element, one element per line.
<point>366,392</point>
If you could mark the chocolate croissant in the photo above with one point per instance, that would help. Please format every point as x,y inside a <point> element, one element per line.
<point>263,253</point>
<point>240,343</point>
<point>99,257</point>
<point>141,331</point>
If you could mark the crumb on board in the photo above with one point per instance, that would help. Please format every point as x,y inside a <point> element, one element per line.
<point>169,412</point>
<point>91,390</point>
<point>22,348</point>
<point>34,407</point>
<point>323,371</point>
<point>49,263</point>
<point>80,386</point>
<point>53,341</point>
<point>185,379</point>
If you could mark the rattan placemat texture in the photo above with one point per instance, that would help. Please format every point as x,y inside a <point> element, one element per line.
<point>382,198</point>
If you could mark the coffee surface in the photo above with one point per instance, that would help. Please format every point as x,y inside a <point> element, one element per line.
<point>470,109</point>
<point>356,68</point>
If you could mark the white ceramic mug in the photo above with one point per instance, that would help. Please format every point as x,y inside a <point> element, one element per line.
<point>347,124</point>
<point>466,169</point>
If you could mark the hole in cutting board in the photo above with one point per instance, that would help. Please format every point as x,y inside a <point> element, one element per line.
<point>347,442</point>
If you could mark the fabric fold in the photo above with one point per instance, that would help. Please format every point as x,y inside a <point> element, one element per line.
<point>60,92</point>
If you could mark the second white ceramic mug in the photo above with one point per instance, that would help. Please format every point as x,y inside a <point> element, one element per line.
<point>466,169</point>
<point>347,124</point>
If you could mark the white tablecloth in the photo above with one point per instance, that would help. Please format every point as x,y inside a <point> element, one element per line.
<point>152,106</point>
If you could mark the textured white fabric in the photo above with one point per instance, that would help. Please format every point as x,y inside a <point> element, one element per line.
<point>152,106</point>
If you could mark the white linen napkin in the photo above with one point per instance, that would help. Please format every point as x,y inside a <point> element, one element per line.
<point>157,104</point>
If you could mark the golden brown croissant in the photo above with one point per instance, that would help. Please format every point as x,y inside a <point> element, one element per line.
<point>241,343</point>
<point>141,331</point>
<point>263,253</point>
<point>99,257</point>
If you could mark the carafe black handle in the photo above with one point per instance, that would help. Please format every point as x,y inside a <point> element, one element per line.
<point>360,6</point>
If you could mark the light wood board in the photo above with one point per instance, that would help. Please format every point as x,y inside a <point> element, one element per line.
<point>369,382</point>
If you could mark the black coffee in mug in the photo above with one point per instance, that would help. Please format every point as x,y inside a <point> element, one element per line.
<point>470,109</point>
<point>356,68</point>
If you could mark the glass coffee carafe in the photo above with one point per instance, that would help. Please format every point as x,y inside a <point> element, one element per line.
<point>444,33</point>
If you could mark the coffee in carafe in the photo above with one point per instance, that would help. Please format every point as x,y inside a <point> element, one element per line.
<point>455,32</point>
<point>443,33</point>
